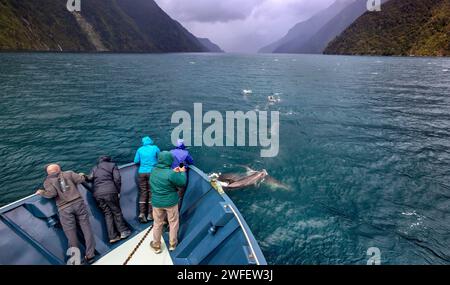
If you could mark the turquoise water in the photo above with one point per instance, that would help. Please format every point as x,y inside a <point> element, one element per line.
<point>364,141</point>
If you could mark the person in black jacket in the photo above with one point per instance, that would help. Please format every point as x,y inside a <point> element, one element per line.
<point>106,189</point>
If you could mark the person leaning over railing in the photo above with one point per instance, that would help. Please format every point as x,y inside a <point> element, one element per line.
<point>107,183</point>
<point>165,182</point>
<point>181,158</point>
<point>62,186</point>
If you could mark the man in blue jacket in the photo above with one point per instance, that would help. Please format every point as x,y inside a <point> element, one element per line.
<point>147,157</point>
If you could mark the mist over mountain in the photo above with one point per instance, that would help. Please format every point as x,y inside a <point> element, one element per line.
<point>314,35</point>
<point>303,31</point>
<point>107,25</point>
<point>403,27</point>
<point>319,41</point>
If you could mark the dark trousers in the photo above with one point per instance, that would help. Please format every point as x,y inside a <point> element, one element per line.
<point>182,191</point>
<point>145,194</point>
<point>72,215</point>
<point>110,206</point>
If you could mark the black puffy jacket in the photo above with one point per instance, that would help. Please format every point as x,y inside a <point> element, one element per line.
<point>105,177</point>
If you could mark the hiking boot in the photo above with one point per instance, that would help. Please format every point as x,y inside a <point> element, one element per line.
<point>142,219</point>
<point>89,260</point>
<point>157,249</point>
<point>125,234</point>
<point>114,240</point>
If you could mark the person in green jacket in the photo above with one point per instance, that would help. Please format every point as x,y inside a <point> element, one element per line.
<point>164,183</point>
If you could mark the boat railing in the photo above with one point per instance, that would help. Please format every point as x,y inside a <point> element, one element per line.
<point>255,255</point>
<point>246,234</point>
<point>53,253</point>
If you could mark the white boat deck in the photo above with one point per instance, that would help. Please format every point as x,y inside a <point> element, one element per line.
<point>143,256</point>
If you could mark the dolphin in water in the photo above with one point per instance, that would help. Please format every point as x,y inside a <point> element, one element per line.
<point>233,181</point>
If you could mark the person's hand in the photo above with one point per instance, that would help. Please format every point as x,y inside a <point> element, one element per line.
<point>180,169</point>
<point>40,192</point>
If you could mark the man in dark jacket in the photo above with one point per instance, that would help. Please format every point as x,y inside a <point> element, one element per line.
<point>107,183</point>
<point>63,187</point>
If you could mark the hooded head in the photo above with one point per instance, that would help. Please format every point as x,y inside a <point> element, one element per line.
<point>165,158</point>
<point>104,158</point>
<point>180,144</point>
<point>147,141</point>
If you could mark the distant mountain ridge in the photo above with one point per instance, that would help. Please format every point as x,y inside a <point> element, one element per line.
<point>102,25</point>
<point>303,31</point>
<point>319,41</point>
<point>403,27</point>
<point>313,35</point>
<point>212,47</point>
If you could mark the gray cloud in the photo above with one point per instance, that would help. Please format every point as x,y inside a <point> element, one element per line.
<point>209,10</point>
<point>241,25</point>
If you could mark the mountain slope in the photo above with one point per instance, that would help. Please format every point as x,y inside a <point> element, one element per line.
<point>39,25</point>
<point>165,33</point>
<point>106,25</point>
<point>319,41</point>
<point>303,31</point>
<point>209,45</point>
<point>403,27</point>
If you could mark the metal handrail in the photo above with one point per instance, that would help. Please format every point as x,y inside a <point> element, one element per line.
<point>16,202</point>
<point>245,233</point>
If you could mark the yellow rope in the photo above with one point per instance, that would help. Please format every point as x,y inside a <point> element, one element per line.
<point>137,246</point>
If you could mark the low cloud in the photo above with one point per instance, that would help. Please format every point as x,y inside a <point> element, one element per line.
<point>209,11</point>
<point>241,25</point>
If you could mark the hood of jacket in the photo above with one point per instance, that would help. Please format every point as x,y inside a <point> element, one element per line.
<point>180,144</point>
<point>104,158</point>
<point>165,159</point>
<point>147,141</point>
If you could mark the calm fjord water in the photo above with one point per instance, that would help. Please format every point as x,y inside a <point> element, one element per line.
<point>364,141</point>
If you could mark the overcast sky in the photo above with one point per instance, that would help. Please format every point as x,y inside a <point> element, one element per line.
<point>241,25</point>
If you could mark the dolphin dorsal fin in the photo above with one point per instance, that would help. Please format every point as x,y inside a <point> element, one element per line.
<point>247,169</point>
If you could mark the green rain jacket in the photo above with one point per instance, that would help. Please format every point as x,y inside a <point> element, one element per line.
<point>164,182</point>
